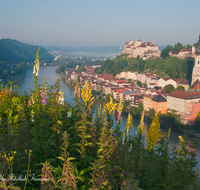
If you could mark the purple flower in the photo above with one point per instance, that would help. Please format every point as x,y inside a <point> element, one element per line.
<point>89,112</point>
<point>43,96</point>
<point>116,116</point>
<point>29,103</point>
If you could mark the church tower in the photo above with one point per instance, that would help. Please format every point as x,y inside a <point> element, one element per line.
<point>196,68</point>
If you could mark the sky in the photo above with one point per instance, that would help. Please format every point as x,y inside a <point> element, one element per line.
<point>78,23</point>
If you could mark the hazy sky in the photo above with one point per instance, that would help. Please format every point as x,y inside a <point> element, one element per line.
<point>100,23</point>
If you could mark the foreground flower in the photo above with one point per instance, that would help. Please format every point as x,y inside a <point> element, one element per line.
<point>153,133</point>
<point>86,94</point>
<point>129,123</point>
<point>43,93</point>
<point>109,108</point>
<point>37,64</point>
<point>141,125</point>
<point>60,97</point>
<point>77,90</point>
<point>118,111</point>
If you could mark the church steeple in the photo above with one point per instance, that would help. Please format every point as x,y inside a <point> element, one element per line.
<point>196,69</point>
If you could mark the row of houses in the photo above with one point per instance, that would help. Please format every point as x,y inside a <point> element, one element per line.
<point>152,81</point>
<point>186,104</point>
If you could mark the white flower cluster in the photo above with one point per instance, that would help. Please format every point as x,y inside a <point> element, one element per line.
<point>60,97</point>
<point>36,68</point>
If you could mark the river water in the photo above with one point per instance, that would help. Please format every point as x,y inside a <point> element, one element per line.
<point>51,76</point>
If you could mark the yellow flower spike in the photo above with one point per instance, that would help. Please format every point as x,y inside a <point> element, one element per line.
<point>181,140</point>
<point>168,135</point>
<point>129,123</point>
<point>153,133</point>
<point>10,158</point>
<point>141,125</point>
<point>109,108</point>
<point>86,94</point>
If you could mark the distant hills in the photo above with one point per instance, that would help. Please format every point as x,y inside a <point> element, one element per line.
<point>13,51</point>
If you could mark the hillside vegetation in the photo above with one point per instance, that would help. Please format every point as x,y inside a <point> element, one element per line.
<point>13,51</point>
<point>170,67</point>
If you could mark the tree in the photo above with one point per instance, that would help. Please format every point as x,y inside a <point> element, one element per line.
<point>165,53</point>
<point>197,123</point>
<point>180,88</point>
<point>81,68</point>
<point>129,80</point>
<point>151,113</point>
<point>169,88</point>
<point>178,46</point>
<point>140,108</point>
<point>139,83</point>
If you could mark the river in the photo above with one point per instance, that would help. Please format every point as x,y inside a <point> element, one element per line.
<point>51,76</point>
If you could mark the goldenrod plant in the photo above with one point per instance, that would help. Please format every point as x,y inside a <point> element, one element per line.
<point>153,133</point>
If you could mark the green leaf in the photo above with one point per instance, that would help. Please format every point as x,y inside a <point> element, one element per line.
<point>100,150</point>
<point>61,158</point>
<point>71,158</point>
<point>59,122</point>
<point>87,144</point>
<point>84,171</point>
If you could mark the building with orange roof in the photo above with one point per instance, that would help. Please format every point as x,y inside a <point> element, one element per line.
<point>196,85</point>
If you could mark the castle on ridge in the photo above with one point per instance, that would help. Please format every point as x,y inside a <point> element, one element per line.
<point>144,49</point>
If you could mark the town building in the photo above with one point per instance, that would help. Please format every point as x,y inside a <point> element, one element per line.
<point>177,100</point>
<point>196,68</point>
<point>159,103</point>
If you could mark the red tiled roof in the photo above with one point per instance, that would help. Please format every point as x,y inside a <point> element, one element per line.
<point>121,90</point>
<point>166,79</point>
<point>177,80</point>
<point>196,85</point>
<point>185,95</point>
<point>184,81</point>
<point>104,75</point>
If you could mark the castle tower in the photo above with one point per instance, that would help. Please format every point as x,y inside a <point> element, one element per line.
<point>196,68</point>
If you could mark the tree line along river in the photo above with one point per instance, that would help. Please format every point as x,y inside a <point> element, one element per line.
<point>49,72</point>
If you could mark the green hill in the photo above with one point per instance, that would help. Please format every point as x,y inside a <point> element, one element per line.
<point>13,51</point>
<point>170,67</point>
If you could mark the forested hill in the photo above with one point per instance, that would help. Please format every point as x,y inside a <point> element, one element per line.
<point>13,51</point>
<point>172,67</point>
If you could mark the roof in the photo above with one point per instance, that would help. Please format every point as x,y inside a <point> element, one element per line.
<point>166,79</point>
<point>175,52</point>
<point>104,75</point>
<point>196,84</point>
<point>185,95</point>
<point>184,81</point>
<point>159,98</point>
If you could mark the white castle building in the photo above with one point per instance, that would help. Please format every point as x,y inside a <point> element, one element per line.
<point>196,68</point>
<point>143,49</point>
